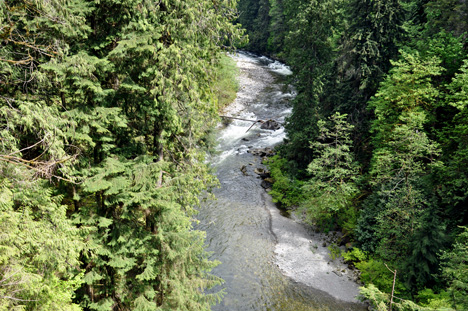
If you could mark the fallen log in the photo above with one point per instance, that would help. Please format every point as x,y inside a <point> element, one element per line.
<point>266,124</point>
<point>242,119</point>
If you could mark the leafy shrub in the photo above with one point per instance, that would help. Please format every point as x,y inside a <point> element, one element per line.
<point>286,190</point>
<point>355,255</point>
<point>335,251</point>
<point>375,272</point>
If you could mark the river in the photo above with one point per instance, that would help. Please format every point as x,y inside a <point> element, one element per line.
<point>268,261</point>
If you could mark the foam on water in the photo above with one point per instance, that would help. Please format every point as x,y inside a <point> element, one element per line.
<point>244,229</point>
<point>280,68</point>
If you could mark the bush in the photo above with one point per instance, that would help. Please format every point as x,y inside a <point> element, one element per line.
<point>226,84</point>
<point>286,190</point>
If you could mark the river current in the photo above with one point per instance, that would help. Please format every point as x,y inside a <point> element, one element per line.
<point>268,261</point>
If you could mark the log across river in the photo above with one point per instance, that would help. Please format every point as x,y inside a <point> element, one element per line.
<point>268,261</point>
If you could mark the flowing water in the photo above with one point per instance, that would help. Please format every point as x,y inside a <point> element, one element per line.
<point>263,263</point>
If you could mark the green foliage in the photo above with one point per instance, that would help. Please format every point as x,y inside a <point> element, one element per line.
<point>371,41</point>
<point>109,101</point>
<point>310,52</point>
<point>285,190</point>
<point>278,27</point>
<point>449,15</point>
<point>455,270</point>
<point>331,188</point>
<point>335,251</point>
<point>254,17</point>
<point>39,245</point>
<point>427,298</point>
<point>226,84</point>
<point>376,297</point>
<point>374,271</point>
<point>355,255</point>
<point>380,301</point>
<point>454,189</point>
<point>403,161</point>
<point>398,70</point>
<point>446,47</point>
<point>421,267</point>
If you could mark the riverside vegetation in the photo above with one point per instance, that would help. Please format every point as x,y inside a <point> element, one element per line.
<point>377,141</point>
<point>105,107</point>
<point>105,111</point>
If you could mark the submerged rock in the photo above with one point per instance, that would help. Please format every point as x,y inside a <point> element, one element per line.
<point>243,169</point>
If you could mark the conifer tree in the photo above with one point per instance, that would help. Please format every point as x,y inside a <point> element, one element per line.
<point>403,164</point>
<point>331,189</point>
<point>310,52</point>
<point>368,44</point>
<point>278,27</point>
<point>453,137</point>
<point>122,90</point>
<point>455,270</point>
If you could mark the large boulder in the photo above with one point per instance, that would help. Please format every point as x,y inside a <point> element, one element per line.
<point>266,185</point>
<point>270,125</point>
<point>262,173</point>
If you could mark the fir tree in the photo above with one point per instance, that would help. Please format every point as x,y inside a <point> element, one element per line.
<point>331,189</point>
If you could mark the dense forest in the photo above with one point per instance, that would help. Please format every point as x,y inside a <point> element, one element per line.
<point>105,111</point>
<point>378,138</point>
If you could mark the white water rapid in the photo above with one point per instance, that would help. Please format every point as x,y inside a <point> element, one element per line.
<point>268,261</point>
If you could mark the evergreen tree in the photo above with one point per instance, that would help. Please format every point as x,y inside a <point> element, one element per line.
<point>403,163</point>
<point>278,27</point>
<point>453,178</point>
<point>310,53</point>
<point>368,44</point>
<point>122,90</point>
<point>450,15</point>
<point>255,18</point>
<point>331,189</point>
<point>455,270</point>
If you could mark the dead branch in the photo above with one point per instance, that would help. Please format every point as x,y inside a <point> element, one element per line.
<point>249,120</point>
<point>261,121</point>
<point>42,168</point>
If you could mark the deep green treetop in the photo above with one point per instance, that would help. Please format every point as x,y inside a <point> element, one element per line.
<point>123,91</point>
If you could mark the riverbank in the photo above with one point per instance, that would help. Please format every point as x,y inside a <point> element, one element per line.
<point>300,253</point>
<point>303,255</point>
<point>241,232</point>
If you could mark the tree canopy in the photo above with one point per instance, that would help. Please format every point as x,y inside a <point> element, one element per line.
<point>395,72</point>
<point>105,108</point>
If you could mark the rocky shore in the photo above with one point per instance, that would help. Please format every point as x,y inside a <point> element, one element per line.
<point>303,254</point>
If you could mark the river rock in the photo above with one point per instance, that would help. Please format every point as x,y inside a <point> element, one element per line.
<point>271,125</point>
<point>259,171</point>
<point>262,152</point>
<point>262,173</point>
<point>265,184</point>
<point>243,169</point>
<point>338,273</point>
